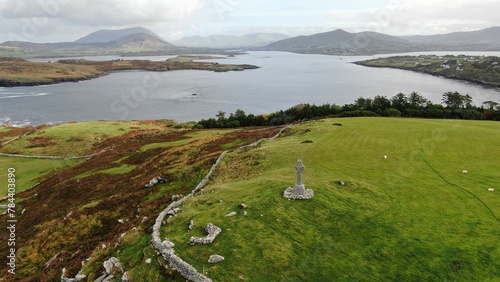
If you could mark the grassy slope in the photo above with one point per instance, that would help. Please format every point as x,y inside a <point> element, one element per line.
<point>82,206</point>
<point>77,140</point>
<point>412,217</point>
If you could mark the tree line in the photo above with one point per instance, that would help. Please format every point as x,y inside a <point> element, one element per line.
<point>454,106</point>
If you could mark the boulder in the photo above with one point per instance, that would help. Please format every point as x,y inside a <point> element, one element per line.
<point>231,214</point>
<point>215,259</point>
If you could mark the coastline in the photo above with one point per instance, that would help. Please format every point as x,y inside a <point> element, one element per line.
<point>74,70</point>
<point>376,63</point>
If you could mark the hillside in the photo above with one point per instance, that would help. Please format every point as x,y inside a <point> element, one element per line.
<point>107,36</point>
<point>340,42</point>
<point>411,216</point>
<point>231,41</point>
<point>484,40</point>
<point>130,41</point>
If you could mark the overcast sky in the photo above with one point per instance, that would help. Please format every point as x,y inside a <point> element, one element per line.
<point>68,20</point>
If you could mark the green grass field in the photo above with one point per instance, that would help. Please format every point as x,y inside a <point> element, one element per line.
<point>411,217</point>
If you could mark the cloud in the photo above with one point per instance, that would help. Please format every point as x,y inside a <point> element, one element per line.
<point>50,20</point>
<point>102,12</point>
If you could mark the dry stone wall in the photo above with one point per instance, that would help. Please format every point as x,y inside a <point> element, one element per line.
<point>166,247</point>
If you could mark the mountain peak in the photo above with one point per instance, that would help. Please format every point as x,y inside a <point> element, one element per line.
<point>107,36</point>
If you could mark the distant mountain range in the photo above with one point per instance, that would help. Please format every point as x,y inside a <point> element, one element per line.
<point>231,41</point>
<point>141,41</point>
<point>136,40</point>
<point>340,42</point>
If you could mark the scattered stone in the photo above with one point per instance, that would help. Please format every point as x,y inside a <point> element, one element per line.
<point>121,221</point>
<point>155,181</point>
<point>175,197</point>
<point>101,278</point>
<point>341,183</point>
<point>242,206</point>
<point>244,213</point>
<point>212,231</point>
<point>337,124</point>
<point>52,259</point>
<point>215,259</point>
<point>125,276</point>
<point>231,214</point>
<point>191,225</point>
<point>112,265</point>
<point>148,260</point>
<point>307,141</point>
<point>22,212</point>
<point>80,277</point>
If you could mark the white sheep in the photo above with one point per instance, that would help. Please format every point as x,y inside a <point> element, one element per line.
<point>385,157</point>
<point>491,189</point>
<point>464,171</point>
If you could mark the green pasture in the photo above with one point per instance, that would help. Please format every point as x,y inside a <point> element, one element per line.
<point>413,216</point>
<point>28,171</point>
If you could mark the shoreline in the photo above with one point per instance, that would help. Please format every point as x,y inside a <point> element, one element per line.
<point>368,63</point>
<point>87,70</point>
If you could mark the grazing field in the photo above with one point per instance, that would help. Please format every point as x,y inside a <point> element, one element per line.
<point>413,216</point>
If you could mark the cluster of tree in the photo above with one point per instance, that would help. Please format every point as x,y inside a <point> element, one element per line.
<point>454,106</point>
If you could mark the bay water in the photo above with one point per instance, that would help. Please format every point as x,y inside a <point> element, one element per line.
<point>282,81</point>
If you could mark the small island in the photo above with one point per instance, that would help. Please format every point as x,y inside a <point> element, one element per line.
<point>484,70</point>
<point>21,72</point>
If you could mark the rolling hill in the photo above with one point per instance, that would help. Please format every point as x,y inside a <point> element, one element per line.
<point>340,42</point>
<point>414,216</point>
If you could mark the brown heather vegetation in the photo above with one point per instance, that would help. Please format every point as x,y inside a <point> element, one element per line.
<point>76,210</point>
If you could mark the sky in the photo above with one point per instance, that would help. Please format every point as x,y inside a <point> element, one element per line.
<point>68,20</point>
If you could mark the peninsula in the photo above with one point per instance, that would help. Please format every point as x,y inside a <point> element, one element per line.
<point>484,70</point>
<point>21,72</point>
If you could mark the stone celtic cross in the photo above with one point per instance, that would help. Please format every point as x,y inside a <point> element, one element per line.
<point>300,167</point>
<point>299,191</point>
